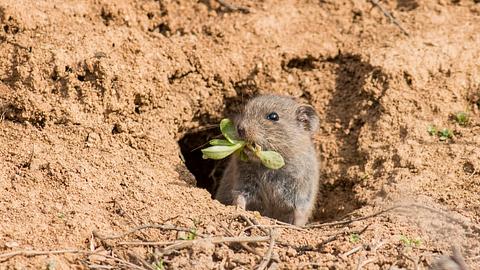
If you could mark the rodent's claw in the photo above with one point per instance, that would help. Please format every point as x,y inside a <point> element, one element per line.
<point>241,202</point>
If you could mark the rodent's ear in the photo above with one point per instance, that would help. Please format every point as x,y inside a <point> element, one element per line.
<point>308,118</point>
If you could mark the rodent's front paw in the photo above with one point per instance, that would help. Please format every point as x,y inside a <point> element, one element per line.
<point>300,217</point>
<point>240,202</point>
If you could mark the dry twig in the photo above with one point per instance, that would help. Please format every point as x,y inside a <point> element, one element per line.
<point>99,266</point>
<point>2,116</point>
<point>362,263</point>
<point>285,223</point>
<point>344,222</point>
<point>329,239</point>
<point>117,203</point>
<point>31,253</point>
<point>389,16</point>
<point>142,227</point>
<point>177,245</point>
<point>268,256</point>
<point>231,7</point>
<point>30,160</point>
<point>472,174</point>
<point>350,252</point>
<point>335,236</point>
<point>244,245</point>
<point>260,226</point>
<point>145,243</point>
<point>253,223</point>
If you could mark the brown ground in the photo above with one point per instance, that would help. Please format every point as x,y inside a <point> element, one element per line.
<point>96,95</point>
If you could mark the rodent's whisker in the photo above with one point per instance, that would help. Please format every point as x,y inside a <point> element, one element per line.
<point>201,146</point>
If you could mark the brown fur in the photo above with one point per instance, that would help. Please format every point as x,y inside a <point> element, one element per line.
<point>287,194</point>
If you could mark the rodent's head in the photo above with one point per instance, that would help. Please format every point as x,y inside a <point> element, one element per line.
<point>277,123</point>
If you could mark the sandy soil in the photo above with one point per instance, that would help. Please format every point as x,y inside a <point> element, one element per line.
<point>103,104</point>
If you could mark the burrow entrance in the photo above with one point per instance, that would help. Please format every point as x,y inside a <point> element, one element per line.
<point>346,100</point>
<point>207,172</point>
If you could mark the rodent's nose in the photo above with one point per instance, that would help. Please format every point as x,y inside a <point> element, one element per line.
<point>241,131</point>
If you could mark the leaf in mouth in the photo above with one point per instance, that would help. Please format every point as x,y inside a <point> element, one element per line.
<point>228,130</point>
<point>221,151</point>
<point>271,159</point>
<point>223,148</point>
<point>219,142</point>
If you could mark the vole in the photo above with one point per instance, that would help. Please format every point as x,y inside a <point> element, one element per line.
<point>453,262</point>
<point>276,123</point>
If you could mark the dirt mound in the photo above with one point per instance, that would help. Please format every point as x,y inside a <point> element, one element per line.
<point>104,105</point>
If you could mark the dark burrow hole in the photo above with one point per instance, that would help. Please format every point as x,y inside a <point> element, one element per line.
<point>207,172</point>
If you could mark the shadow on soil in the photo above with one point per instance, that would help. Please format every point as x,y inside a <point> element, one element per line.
<point>352,105</point>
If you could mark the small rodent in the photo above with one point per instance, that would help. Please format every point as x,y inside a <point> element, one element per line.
<point>453,262</point>
<point>280,124</point>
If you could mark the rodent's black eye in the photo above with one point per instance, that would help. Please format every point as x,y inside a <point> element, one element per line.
<point>273,116</point>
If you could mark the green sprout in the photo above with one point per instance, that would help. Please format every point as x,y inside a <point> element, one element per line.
<point>192,234</point>
<point>222,148</point>
<point>410,242</point>
<point>354,238</point>
<point>158,265</point>
<point>364,176</point>
<point>462,118</point>
<point>432,130</point>
<point>443,134</point>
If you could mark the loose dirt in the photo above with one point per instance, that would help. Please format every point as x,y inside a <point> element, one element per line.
<point>104,104</point>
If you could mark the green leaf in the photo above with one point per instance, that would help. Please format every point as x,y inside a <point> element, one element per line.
<point>220,142</point>
<point>432,130</point>
<point>158,265</point>
<point>445,134</point>
<point>192,234</point>
<point>410,242</point>
<point>462,118</point>
<point>220,151</point>
<point>228,130</point>
<point>271,159</point>
<point>354,238</point>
